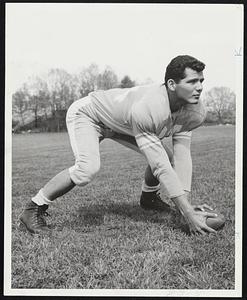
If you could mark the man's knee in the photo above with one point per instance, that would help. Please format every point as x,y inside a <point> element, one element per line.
<point>83,173</point>
<point>150,179</point>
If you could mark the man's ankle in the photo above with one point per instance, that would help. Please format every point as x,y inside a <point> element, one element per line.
<point>40,199</point>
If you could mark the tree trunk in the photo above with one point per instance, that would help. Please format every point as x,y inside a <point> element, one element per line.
<point>220,117</point>
<point>36,118</point>
<point>22,119</point>
<point>58,125</point>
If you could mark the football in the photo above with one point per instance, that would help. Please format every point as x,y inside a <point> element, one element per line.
<point>216,223</point>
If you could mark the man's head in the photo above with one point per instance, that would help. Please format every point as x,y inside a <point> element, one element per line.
<point>184,77</point>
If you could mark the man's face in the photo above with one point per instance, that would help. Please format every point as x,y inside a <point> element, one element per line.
<point>189,88</point>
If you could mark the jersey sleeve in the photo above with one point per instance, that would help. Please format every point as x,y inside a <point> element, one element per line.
<point>151,146</point>
<point>182,162</point>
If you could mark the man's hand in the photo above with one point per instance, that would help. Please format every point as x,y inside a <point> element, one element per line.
<point>194,218</point>
<point>202,207</point>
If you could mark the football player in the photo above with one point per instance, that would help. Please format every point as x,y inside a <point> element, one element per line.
<point>139,118</point>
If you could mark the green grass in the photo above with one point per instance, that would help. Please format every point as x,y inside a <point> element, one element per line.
<point>103,239</point>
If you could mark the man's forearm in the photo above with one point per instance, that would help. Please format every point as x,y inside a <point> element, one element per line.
<point>188,196</point>
<point>182,162</point>
<point>183,203</point>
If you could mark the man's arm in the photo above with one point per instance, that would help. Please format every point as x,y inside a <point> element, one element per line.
<point>182,162</point>
<point>158,160</point>
<point>150,145</point>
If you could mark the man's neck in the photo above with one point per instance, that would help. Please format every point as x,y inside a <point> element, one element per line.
<point>174,101</point>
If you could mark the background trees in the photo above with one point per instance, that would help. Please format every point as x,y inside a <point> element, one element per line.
<point>42,102</point>
<point>88,80</point>
<point>126,82</point>
<point>107,79</point>
<point>19,104</point>
<point>221,103</point>
<point>38,97</point>
<point>61,93</point>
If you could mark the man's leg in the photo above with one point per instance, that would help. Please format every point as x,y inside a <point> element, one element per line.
<point>150,198</point>
<point>33,215</point>
<point>84,138</point>
<point>151,183</point>
<point>58,185</point>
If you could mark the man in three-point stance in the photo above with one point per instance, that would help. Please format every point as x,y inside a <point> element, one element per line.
<point>140,118</point>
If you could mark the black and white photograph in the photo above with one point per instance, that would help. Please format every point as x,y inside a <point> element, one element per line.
<point>123,149</point>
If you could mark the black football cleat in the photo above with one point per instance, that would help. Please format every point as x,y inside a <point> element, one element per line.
<point>152,201</point>
<point>33,218</point>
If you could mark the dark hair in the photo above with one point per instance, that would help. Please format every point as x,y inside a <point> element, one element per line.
<point>175,69</point>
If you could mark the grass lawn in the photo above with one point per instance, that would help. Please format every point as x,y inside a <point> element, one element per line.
<point>103,239</point>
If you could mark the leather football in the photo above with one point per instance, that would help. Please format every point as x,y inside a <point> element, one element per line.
<point>216,223</point>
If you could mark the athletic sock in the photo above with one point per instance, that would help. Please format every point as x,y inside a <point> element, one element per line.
<point>149,189</point>
<point>40,199</point>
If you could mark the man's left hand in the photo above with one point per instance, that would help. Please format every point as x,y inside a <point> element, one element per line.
<point>202,207</point>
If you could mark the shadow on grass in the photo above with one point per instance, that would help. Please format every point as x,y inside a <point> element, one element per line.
<point>113,214</point>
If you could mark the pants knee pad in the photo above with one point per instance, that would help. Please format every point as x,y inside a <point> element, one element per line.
<point>81,173</point>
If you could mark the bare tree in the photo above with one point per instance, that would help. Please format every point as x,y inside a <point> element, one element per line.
<point>107,80</point>
<point>221,100</point>
<point>20,103</point>
<point>62,89</point>
<point>88,80</point>
<point>38,96</point>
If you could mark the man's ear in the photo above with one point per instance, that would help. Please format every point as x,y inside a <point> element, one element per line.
<point>171,84</point>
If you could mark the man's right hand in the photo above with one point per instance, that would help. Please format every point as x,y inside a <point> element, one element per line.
<point>195,219</point>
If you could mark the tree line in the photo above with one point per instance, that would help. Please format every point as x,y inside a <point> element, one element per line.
<point>40,104</point>
<point>43,101</point>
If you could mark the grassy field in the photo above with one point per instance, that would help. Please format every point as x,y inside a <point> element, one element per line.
<point>103,239</point>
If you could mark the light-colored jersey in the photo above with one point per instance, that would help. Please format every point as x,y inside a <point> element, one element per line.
<point>144,112</point>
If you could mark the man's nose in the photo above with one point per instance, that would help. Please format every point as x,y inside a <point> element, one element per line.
<point>199,86</point>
